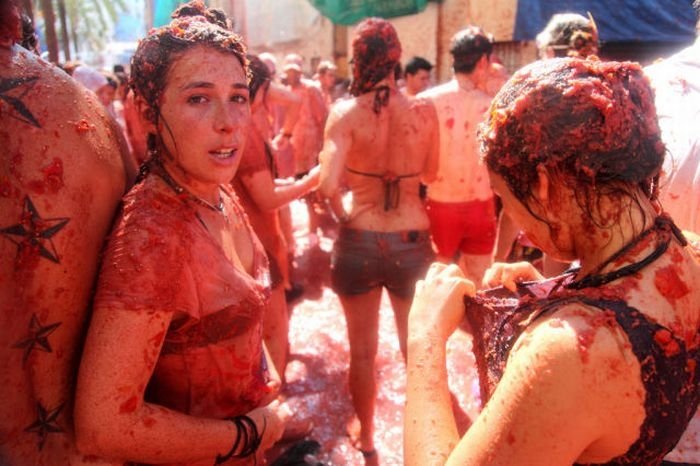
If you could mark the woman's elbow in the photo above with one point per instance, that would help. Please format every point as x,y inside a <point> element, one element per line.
<point>89,439</point>
<point>93,434</point>
<point>327,189</point>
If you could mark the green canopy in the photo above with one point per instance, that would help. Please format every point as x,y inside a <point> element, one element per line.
<point>351,11</point>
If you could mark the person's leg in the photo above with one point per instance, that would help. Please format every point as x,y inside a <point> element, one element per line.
<point>474,265</point>
<point>276,330</point>
<point>362,318</point>
<point>445,230</point>
<point>479,238</point>
<point>313,220</point>
<point>408,256</point>
<point>401,306</point>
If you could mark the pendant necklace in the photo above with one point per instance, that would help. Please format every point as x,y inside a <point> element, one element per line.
<point>181,191</point>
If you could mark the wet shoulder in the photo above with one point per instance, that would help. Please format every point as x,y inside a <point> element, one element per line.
<point>441,91</point>
<point>151,203</point>
<point>51,119</point>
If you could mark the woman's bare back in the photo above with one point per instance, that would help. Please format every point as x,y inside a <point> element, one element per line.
<point>389,154</point>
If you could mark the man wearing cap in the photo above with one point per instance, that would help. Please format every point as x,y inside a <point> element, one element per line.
<point>307,135</point>
<point>460,202</point>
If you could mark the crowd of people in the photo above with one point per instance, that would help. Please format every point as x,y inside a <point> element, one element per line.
<point>146,242</point>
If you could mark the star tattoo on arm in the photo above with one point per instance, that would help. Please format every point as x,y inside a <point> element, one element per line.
<point>34,234</point>
<point>19,87</point>
<point>45,423</point>
<point>38,338</point>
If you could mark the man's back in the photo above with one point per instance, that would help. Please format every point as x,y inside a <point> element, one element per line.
<point>460,108</point>
<point>307,136</point>
<point>61,179</point>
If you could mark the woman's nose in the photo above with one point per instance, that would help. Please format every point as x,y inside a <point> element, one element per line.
<point>229,117</point>
<point>225,119</point>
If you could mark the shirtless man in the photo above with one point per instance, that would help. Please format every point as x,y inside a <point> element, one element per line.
<point>61,177</point>
<point>307,135</point>
<point>417,76</point>
<point>460,202</point>
<point>380,145</point>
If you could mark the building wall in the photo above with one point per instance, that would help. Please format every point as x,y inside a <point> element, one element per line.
<point>286,26</point>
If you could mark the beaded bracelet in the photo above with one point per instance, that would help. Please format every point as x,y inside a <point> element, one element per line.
<point>246,435</point>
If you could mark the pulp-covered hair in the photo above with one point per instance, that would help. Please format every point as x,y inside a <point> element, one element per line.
<point>592,124</point>
<point>569,35</point>
<point>259,75</point>
<point>193,25</point>
<point>467,47</point>
<point>375,52</point>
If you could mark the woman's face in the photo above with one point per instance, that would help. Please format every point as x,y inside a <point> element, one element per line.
<point>204,115</point>
<point>551,240</point>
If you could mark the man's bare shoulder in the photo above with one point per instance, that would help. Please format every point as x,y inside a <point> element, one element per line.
<point>447,88</point>
<point>52,116</point>
<point>421,107</point>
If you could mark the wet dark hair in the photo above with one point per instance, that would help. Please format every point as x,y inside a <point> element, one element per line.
<point>193,25</point>
<point>259,75</point>
<point>417,63</point>
<point>111,80</point>
<point>591,124</point>
<point>467,47</point>
<point>375,52</point>
<point>30,40</point>
<point>569,35</point>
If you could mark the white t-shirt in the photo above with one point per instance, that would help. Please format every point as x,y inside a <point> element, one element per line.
<point>676,82</point>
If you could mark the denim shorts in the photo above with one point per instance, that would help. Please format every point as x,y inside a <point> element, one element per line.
<point>363,260</point>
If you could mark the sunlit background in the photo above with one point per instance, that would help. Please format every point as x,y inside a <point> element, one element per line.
<point>105,32</point>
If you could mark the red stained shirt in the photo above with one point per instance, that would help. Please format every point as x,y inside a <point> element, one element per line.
<point>161,257</point>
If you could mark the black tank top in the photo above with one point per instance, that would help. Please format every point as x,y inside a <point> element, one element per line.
<point>669,370</point>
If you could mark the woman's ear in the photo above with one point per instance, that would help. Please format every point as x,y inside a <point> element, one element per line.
<point>146,115</point>
<point>543,189</point>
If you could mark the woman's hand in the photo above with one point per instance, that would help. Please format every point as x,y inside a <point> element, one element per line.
<point>272,418</point>
<point>438,304</point>
<point>509,275</point>
<point>273,386</point>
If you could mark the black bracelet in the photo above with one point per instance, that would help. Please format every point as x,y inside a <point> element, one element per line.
<point>246,435</point>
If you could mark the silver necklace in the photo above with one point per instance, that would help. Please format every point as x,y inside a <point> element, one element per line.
<point>181,191</point>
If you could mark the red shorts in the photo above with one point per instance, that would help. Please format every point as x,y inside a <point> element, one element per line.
<point>467,227</point>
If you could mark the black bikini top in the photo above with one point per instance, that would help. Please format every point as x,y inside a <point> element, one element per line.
<point>669,369</point>
<point>390,182</point>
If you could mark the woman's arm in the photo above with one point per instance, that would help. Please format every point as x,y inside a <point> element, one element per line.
<point>268,194</point>
<point>113,420</point>
<point>558,399</point>
<point>337,143</point>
